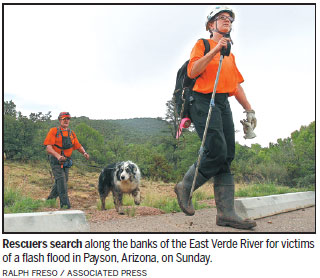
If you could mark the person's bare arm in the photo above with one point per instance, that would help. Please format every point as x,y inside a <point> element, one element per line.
<point>200,65</point>
<point>242,98</point>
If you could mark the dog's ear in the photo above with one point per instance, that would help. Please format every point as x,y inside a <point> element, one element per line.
<point>133,168</point>
<point>117,168</point>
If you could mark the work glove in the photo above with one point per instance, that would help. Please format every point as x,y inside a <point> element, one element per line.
<point>251,118</point>
<point>248,130</point>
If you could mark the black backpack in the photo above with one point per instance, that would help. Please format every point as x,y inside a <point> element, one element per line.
<point>184,86</point>
<point>66,140</point>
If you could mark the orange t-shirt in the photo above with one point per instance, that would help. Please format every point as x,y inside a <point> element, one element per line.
<point>53,140</point>
<point>229,77</point>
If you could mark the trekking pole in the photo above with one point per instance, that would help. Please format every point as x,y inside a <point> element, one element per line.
<point>206,127</point>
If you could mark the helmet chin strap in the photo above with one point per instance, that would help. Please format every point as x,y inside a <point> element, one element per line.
<point>222,33</point>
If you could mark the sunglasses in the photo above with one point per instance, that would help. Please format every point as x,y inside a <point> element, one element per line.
<point>68,119</point>
<point>224,17</point>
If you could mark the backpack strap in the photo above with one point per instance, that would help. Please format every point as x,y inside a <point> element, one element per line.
<point>206,46</point>
<point>206,50</point>
<point>72,133</point>
<point>59,131</point>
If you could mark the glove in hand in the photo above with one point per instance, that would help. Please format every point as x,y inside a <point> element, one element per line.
<point>248,130</point>
<point>251,118</point>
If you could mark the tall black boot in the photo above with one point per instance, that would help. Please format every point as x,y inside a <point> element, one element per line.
<point>183,188</point>
<point>224,197</point>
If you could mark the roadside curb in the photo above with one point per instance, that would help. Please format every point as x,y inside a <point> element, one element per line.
<point>55,221</point>
<point>259,207</point>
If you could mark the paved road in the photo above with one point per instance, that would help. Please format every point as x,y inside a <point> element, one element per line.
<point>299,221</point>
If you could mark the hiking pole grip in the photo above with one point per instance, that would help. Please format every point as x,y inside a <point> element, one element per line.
<point>206,127</point>
<point>226,51</point>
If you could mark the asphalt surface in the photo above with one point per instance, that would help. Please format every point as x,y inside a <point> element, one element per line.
<point>298,221</point>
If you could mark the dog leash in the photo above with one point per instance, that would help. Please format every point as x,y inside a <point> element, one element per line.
<point>95,166</point>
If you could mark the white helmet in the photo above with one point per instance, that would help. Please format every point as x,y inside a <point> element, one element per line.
<point>217,10</point>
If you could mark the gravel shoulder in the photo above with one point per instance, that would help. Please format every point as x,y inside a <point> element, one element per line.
<point>298,221</point>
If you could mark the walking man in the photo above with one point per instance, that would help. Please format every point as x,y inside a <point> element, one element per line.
<point>60,142</point>
<point>219,147</point>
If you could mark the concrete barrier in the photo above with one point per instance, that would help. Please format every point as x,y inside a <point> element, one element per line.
<point>258,207</point>
<point>56,221</point>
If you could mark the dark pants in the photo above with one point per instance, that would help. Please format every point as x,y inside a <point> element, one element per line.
<point>219,148</point>
<point>60,187</point>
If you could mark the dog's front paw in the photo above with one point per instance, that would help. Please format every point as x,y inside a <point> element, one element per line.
<point>120,210</point>
<point>103,205</point>
<point>137,198</point>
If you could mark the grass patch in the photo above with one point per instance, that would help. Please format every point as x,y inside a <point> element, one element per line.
<point>130,211</point>
<point>201,195</point>
<point>127,200</point>
<point>11,195</point>
<point>198,205</point>
<point>16,202</point>
<point>24,204</point>
<point>50,203</point>
<point>168,204</point>
<point>257,190</point>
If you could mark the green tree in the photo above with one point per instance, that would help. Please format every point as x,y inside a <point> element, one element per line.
<point>20,138</point>
<point>9,109</point>
<point>172,117</point>
<point>92,141</point>
<point>39,117</point>
<point>116,147</point>
<point>304,149</point>
<point>160,169</point>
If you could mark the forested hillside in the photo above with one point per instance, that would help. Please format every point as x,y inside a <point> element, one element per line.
<point>151,144</point>
<point>131,130</point>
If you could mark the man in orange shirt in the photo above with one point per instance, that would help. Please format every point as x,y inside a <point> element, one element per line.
<point>219,147</point>
<point>60,142</point>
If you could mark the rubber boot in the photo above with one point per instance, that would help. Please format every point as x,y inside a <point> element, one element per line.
<point>183,188</point>
<point>63,193</point>
<point>224,197</point>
